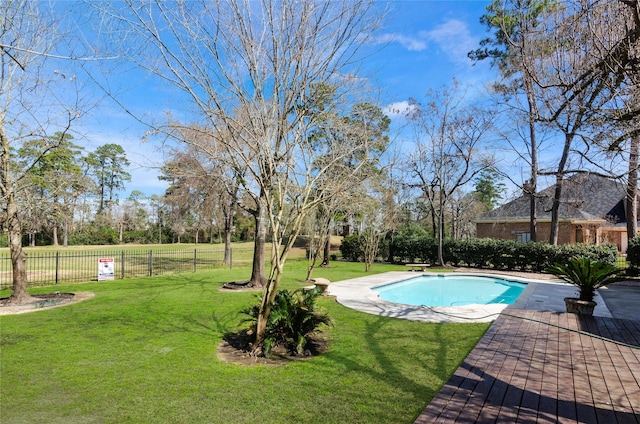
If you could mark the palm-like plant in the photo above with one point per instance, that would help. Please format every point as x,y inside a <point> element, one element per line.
<point>292,320</point>
<point>588,275</point>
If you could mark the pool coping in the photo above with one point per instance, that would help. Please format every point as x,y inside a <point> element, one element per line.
<point>542,295</point>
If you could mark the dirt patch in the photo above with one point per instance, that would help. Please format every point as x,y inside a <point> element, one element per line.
<point>236,349</point>
<point>43,302</point>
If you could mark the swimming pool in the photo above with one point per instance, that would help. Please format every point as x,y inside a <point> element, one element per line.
<point>451,290</point>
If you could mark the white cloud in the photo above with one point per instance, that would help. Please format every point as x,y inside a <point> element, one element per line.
<point>410,43</point>
<point>454,39</point>
<point>398,109</point>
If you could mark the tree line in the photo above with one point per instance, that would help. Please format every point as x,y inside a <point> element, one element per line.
<point>66,196</point>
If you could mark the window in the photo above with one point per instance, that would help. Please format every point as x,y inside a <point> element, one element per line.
<point>523,237</point>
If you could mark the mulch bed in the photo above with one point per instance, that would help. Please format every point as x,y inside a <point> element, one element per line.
<point>42,302</point>
<point>49,299</point>
<point>236,348</point>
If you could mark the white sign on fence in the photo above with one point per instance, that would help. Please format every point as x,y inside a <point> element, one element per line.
<point>106,269</point>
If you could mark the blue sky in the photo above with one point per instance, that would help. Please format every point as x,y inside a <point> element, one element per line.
<point>423,45</point>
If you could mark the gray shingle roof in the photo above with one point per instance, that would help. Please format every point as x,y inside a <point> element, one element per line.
<point>585,197</point>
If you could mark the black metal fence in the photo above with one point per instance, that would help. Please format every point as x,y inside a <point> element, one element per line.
<point>76,266</point>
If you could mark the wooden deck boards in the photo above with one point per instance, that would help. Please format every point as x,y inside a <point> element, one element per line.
<point>531,366</point>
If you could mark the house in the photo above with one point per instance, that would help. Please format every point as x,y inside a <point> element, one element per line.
<point>592,210</point>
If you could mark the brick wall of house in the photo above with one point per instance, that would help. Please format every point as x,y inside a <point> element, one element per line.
<point>510,231</point>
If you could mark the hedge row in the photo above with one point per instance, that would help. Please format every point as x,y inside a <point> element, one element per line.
<point>633,254</point>
<point>486,253</point>
<point>351,249</point>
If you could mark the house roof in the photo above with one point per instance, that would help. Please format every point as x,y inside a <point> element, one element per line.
<point>585,197</point>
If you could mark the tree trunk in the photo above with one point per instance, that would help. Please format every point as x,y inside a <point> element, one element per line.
<point>390,237</point>
<point>54,235</point>
<point>326,249</point>
<point>533,145</point>
<point>65,233</point>
<point>227,247</point>
<point>533,214</point>
<point>632,189</point>
<point>441,231</point>
<point>228,228</point>
<point>271,288</point>
<point>258,278</point>
<point>555,218</point>
<point>20,294</point>
<point>346,228</point>
<point>434,219</point>
<point>555,207</point>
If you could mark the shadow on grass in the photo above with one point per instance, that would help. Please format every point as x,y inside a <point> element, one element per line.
<point>418,369</point>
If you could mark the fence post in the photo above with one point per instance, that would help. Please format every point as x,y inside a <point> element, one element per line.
<point>57,266</point>
<point>195,259</point>
<point>122,264</point>
<point>150,263</point>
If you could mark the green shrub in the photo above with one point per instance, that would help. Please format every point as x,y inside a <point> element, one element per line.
<point>607,253</point>
<point>351,250</point>
<point>409,248</point>
<point>293,319</point>
<point>501,254</point>
<point>633,255</point>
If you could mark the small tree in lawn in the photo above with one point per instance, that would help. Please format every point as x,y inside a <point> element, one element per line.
<point>370,239</point>
<point>318,228</point>
<point>374,222</point>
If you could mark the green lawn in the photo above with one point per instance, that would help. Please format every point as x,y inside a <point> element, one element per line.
<point>144,351</point>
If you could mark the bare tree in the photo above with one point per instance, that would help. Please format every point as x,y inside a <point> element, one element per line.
<point>32,107</point>
<point>516,23</point>
<point>203,182</point>
<point>374,219</point>
<point>575,85</point>
<point>373,231</point>
<point>449,134</point>
<point>574,61</point>
<point>613,29</point>
<point>251,69</point>
<point>318,228</point>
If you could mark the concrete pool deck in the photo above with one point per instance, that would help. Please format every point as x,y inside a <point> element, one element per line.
<point>540,294</point>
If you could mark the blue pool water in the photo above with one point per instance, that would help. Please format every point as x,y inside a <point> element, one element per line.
<point>451,290</point>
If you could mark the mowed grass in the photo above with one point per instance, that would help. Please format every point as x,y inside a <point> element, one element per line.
<point>241,251</point>
<point>144,351</point>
